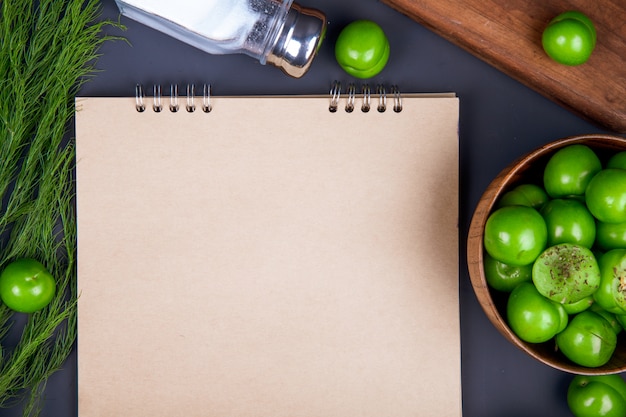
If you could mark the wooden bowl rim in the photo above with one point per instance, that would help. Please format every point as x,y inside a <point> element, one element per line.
<point>475,247</point>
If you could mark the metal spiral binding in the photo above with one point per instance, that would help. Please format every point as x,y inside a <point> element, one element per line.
<point>335,93</point>
<point>174,98</point>
<point>351,98</point>
<point>174,104</point>
<point>397,99</point>
<point>382,98</point>
<point>206,98</point>
<point>157,106</point>
<point>139,98</point>
<point>366,94</point>
<point>190,106</point>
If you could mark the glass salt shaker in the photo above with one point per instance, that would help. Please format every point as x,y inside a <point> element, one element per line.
<point>278,32</point>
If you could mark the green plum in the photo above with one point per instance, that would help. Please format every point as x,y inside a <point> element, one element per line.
<point>533,317</point>
<point>611,295</point>
<point>569,221</point>
<point>588,340</point>
<point>503,277</point>
<point>569,170</point>
<point>570,38</point>
<point>26,285</point>
<point>597,396</point>
<point>362,49</point>
<point>530,195</point>
<point>606,195</point>
<point>515,235</point>
<point>566,273</point>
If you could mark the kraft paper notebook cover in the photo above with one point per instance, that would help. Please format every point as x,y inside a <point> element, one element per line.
<point>269,258</point>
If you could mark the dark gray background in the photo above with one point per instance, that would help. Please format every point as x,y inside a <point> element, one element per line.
<point>500,119</point>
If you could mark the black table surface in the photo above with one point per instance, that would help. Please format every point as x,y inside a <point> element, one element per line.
<point>500,119</point>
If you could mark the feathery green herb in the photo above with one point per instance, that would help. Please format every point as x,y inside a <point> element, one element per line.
<point>47,51</point>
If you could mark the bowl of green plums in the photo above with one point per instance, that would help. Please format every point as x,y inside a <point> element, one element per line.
<point>546,253</point>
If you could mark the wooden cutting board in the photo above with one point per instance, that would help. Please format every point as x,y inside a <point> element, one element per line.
<point>507,35</point>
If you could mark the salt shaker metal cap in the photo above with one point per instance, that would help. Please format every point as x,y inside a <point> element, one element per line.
<point>298,41</point>
<point>277,32</point>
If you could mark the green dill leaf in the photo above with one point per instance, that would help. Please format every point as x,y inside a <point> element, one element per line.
<point>47,51</point>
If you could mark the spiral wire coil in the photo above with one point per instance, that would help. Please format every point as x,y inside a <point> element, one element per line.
<point>366,97</point>
<point>174,102</point>
<point>335,96</point>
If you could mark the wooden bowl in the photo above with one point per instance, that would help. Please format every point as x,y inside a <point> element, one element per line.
<point>529,169</point>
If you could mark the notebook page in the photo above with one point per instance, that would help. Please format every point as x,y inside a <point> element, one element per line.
<point>269,258</point>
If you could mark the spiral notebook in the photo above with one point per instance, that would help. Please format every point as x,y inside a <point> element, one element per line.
<point>290,256</point>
